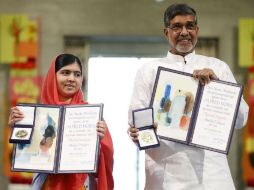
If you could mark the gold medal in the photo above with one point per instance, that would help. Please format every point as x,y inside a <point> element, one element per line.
<point>147,137</point>
<point>21,133</point>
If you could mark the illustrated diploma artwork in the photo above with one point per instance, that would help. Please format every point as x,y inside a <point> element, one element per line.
<point>193,114</point>
<point>64,140</point>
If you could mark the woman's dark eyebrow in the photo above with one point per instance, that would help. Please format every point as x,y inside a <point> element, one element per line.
<point>70,71</point>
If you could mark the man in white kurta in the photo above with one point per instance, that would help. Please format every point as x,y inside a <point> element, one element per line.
<point>175,166</point>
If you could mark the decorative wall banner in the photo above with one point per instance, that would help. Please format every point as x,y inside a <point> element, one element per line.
<point>24,89</point>
<point>3,110</point>
<point>18,38</point>
<point>246,42</point>
<point>248,151</point>
<point>28,47</point>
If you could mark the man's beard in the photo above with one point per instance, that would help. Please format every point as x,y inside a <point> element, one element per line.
<point>184,48</point>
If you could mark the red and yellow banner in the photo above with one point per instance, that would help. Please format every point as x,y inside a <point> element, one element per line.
<point>248,152</point>
<point>246,42</point>
<point>24,90</point>
<point>19,49</point>
<point>18,38</point>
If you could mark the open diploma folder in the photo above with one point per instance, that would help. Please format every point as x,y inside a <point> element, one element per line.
<point>64,139</point>
<point>193,114</point>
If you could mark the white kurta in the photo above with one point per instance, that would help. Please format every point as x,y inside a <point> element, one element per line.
<point>174,166</point>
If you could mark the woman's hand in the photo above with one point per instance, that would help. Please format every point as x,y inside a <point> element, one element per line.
<point>15,116</point>
<point>204,75</point>
<point>101,129</point>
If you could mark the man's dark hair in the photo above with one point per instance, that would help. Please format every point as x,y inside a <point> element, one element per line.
<point>178,9</point>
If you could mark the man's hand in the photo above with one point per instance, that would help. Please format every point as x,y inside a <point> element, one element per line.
<point>133,132</point>
<point>204,75</point>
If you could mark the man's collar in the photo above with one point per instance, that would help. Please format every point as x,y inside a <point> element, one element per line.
<point>179,57</point>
